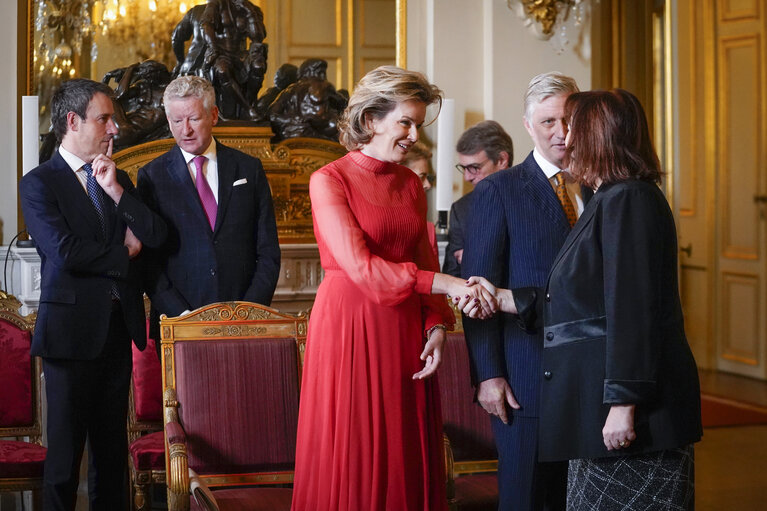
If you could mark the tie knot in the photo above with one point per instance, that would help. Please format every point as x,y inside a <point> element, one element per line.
<point>199,161</point>
<point>88,169</point>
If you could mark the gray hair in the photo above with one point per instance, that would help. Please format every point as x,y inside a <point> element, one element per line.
<point>190,86</point>
<point>546,85</point>
<point>488,136</point>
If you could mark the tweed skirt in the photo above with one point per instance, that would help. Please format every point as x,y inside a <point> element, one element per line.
<point>660,480</point>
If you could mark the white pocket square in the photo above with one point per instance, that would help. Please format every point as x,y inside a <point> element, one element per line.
<point>240,182</point>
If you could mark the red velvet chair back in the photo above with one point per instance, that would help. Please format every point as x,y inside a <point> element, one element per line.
<point>465,423</point>
<point>21,462</point>
<point>236,368</point>
<point>20,375</point>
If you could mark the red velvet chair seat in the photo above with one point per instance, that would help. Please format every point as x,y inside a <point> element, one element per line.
<point>16,403</point>
<point>477,492</point>
<point>21,459</point>
<point>148,451</point>
<point>250,499</point>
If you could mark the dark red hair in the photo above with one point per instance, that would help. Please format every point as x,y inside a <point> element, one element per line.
<point>609,138</point>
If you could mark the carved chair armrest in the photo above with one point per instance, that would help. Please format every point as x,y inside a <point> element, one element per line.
<point>177,476</point>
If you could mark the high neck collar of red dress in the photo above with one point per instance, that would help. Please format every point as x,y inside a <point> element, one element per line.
<point>370,163</point>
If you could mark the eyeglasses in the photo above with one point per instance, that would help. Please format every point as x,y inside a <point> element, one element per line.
<point>471,168</point>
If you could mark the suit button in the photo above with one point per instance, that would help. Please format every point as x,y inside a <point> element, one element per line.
<point>548,297</point>
<point>550,336</point>
<point>547,375</point>
<point>213,272</point>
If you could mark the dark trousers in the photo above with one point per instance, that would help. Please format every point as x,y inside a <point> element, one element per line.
<point>89,399</point>
<point>523,483</point>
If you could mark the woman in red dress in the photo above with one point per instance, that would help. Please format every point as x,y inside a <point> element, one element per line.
<point>369,428</point>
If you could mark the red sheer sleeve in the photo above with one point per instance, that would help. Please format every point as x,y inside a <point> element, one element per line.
<point>385,282</point>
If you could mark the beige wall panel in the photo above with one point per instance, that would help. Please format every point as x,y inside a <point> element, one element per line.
<point>315,23</point>
<point>739,9</point>
<point>740,135</point>
<point>694,293</point>
<point>378,24</point>
<point>370,64</point>
<point>740,318</point>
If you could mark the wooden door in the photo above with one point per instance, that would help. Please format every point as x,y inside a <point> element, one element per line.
<point>741,219</point>
<point>721,180</point>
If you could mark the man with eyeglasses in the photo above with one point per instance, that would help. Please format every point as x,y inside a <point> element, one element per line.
<point>519,219</point>
<point>483,149</point>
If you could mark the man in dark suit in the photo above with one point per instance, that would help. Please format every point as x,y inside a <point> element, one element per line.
<point>89,225</point>
<point>222,236</point>
<point>519,220</point>
<point>483,149</point>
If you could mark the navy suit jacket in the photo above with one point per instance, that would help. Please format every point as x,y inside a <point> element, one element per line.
<point>459,213</point>
<point>515,230</point>
<point>79,264</point>
<point>238,260</point>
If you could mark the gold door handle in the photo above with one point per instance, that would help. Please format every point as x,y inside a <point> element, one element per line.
<point>760,199</point>
<point>687,250</point>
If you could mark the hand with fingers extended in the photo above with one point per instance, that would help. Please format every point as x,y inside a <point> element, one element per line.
<point>494,394</point>
<point>105,172</point>
<point>432,353</point>
<point>618,432</point>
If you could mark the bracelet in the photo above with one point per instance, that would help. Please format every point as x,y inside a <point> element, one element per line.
<point>438,325</point>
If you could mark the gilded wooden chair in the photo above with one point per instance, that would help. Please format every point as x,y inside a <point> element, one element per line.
<point>231,378</point>
<point>471,456</point>
<point>146,440</point>
<point>21,461</point>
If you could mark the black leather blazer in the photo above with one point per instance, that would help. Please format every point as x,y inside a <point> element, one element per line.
<point>613,329</point>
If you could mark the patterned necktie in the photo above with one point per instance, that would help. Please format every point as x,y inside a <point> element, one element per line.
<point>206,194</point>
<point>96,194</point>
<point>564,199</point>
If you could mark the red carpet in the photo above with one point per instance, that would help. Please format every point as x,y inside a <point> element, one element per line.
<point>721,411</point>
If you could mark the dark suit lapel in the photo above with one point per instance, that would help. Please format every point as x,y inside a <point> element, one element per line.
<point>69,184</point>
<point>537,187</point>
<point>227,171</point>
<point>179,172</point>
<point>584,220</point>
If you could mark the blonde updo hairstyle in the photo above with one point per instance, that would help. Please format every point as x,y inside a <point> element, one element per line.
<point>377,94</point>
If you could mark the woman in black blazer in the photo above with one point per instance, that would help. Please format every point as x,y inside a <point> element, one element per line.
<point>620,392</point>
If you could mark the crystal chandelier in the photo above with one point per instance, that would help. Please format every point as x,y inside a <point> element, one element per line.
<point>134,30</point>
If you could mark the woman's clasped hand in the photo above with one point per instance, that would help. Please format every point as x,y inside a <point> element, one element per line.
<point>482,299</point>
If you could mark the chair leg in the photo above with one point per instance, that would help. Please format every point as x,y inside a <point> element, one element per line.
<point>140,497</point>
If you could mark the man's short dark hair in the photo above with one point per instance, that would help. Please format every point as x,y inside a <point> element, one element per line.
<point>488,136</point>
<point>74,96</point>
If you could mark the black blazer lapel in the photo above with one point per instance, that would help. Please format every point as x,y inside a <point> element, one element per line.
<point>584,220</point>
<point>227,171</point>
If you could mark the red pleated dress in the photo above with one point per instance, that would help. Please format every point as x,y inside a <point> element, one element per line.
<point>369,436</point>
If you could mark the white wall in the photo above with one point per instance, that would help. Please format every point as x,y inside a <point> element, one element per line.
<point>480,53</point>
<point>8,101</point>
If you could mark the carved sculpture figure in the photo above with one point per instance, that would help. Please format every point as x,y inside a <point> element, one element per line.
<point>139,110</point>
<point>286,75</point>
<point>218,33</point>
<point>308,108</point>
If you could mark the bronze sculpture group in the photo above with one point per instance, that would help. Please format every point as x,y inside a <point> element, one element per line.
<point>226,46</point>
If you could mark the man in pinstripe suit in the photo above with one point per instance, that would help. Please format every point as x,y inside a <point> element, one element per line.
<point>516,227</point>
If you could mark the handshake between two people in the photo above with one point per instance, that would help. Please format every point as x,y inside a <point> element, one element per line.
<point>477,297</point>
